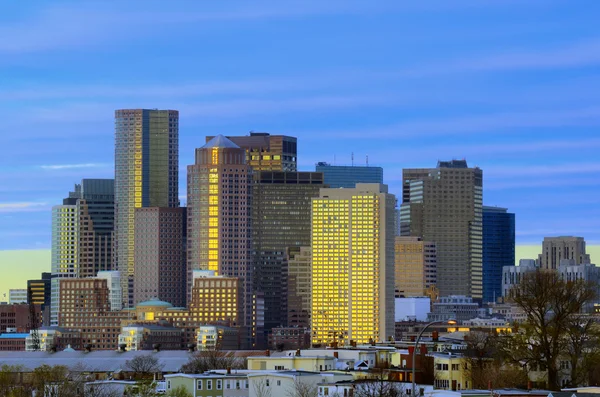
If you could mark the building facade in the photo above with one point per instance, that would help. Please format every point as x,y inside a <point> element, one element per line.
<point>160,258</point>
<point>146,175</point>
<point>555,249</point>
<point>352,265</point>
<point>498,249</point>
<point>445,205</point>
<point>512,275</point>
<point>299,287</point>
<point>415,266</point>
<point>454,307</point>
<point>16,296</point>
<point>266,152</point>
<point>336,176</point>
<point>281,205</point>
<point>113,282</point>
<point>219,200</point>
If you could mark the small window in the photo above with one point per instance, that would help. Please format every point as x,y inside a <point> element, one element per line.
<point>278,383</point>
<point>199,384</point>
<point>209,384</point>
<point>267,383</point>
<point>168,385</point>
<point>219,384</point>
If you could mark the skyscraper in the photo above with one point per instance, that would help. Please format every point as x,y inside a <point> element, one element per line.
<point>498,249</point>
<point>160,261</point>
<point>336,176</point>
<point>444,205</point>
<point>219,199</point>
<point>281,206</point>
<point>555,249</point>
<point>266,152</point>
<point>146,175</point>
<point>353,265</point>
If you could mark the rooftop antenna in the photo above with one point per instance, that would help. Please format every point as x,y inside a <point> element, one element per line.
<point>334,159</point>
<point>367,160</point>
<point>353,159</point>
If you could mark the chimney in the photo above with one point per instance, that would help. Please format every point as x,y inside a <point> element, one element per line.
<point>435,335</point>
<point>423,349</point>
<point>156,347</point>
<point>489,385</point>
<point>297,352</point>
<point>529,386</point>
<point>88,348</point>
<point>268,353</point>
<point>228,370</point>
<point>411,350</point>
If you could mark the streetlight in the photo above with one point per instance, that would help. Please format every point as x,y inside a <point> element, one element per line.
<point>449,322</point>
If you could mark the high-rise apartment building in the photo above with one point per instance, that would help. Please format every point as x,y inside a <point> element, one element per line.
<point>415,266</point>
<point>281,207</point>
<point>352,265</point>
<point>555,249</point>
<point>219,199</point>
<point>498,249</point>
<point>299,290</point>
<point>336,176</point>
<point>146,175</point>
<point>266,152</point>
<point>444,205</point>
<point>160,262</point>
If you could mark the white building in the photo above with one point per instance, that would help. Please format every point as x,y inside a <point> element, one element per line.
<point>113,279</point>
<point>132,337</point>
<point>512,275</point>
<point>286,383</point>
<point>17,296</point>
<point>411,309</point>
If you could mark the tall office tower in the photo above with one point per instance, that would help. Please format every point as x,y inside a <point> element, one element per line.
<point>281,204</point>
<point>336,176</point>
<point>96,208</point>
<point>64,249</point>
<point>498,249</point>
<point>266,152</point>
<point>39,293</point>
<point>555,249</point>
<point>160,260</point>
<point>146,175</point>
<point>352,265</point>
<point>444,205</point>
<point>416,266</point>
<point>113,281</point>
<point>299,287</point>
<point>219,199</point>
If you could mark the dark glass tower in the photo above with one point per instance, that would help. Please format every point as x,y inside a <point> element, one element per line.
<point>498,249</point>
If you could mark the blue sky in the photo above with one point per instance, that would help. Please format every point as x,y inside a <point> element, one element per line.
<point>510,85</point>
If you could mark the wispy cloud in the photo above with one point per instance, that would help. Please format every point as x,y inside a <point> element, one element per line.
<point>23,206</point>
<point>70,166</point>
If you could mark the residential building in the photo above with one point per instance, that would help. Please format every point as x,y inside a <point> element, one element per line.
<point>212,384</point>
<point>217,337</point>
<point>413,308</point>
<point>285,383</point>
<point>151,337</point>
<point>292,361</point>
<point>498,249</point>
<point>299,287</point>
<point>450,372</point>
<point>219,199</point>
<point>160,261</point>
<point>415,266</point>
<point>281,205</point>
<point>454,307</point>
<point>266,152</point>
<point>16,296</point>
<point>115,293</point>
<point>352,265</point>
<point>146,175</point>
<point>444,205</point>
<point>336,176</point>
<point>555,249</point>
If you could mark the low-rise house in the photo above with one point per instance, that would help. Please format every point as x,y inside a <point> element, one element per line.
<point>288,383</point>
<point>211,383</point>
<point>450,372</point>
<point>293,362</point>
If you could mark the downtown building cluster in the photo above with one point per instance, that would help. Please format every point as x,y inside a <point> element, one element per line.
<point>262,254</point>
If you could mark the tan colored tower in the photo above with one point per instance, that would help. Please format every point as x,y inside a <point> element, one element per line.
<point>415,266</point>
<point>555,249</point>
<point>219,197</point>
<point>353,265</point>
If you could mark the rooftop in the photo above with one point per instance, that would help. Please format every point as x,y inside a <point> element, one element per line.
<point>220,142</point>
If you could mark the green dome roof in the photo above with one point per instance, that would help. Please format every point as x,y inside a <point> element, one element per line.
<point>154,302</point>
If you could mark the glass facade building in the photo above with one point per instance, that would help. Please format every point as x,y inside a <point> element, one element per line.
<point>498,249</point>
<point>146,175</point>
<point>336,176</point>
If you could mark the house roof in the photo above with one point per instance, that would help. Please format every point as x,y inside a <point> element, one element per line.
<point>220,141</point>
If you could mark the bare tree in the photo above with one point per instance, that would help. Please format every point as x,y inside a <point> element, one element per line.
<point>261,388</point>
<point>378,384</point>
<point>207,360</point>
<point>144,365</point>
<point>302,389</point>
<point>551,304</point>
